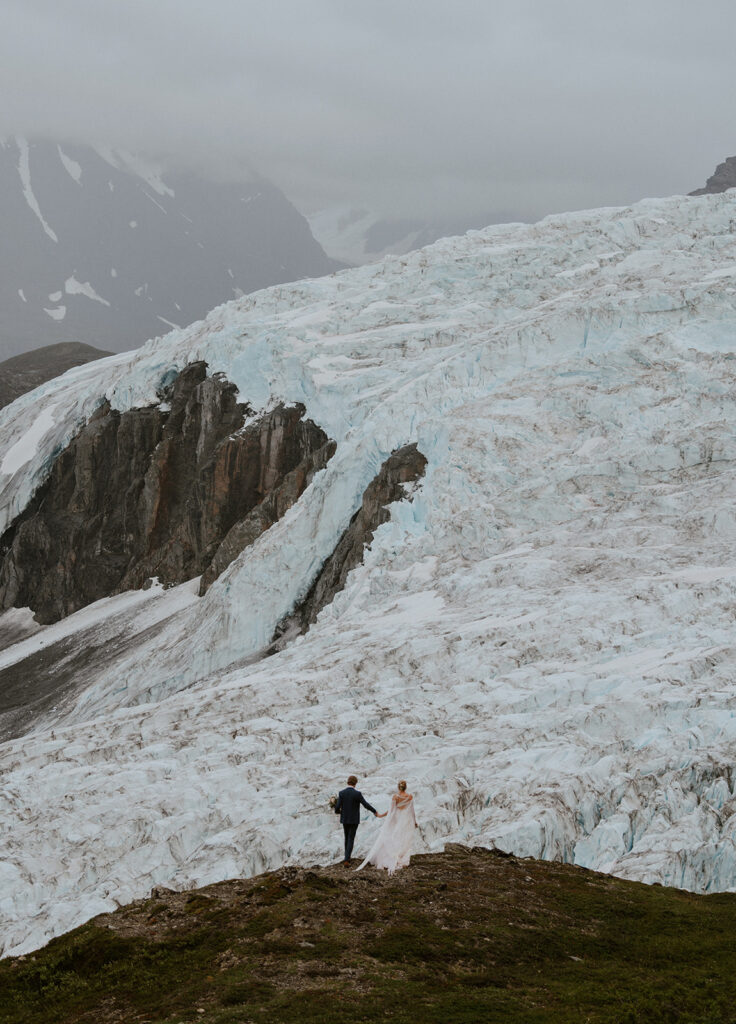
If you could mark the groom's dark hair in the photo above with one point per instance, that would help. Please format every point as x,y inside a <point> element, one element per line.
<point>352,780</point>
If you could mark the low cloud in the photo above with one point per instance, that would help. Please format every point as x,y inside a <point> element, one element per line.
<point>410,107</point>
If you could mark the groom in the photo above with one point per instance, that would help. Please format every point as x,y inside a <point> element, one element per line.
<point>348,807</point>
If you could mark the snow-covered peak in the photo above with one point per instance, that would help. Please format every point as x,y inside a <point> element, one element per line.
<point>350,234</point>
<point>359,236</point>
<point>541,640</point>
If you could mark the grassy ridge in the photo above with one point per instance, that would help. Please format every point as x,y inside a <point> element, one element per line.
<point>457,938</point>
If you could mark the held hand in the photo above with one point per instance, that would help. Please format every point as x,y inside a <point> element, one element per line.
<point>382,815</point>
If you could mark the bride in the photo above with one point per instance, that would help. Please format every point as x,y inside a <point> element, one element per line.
<point>392,848</point>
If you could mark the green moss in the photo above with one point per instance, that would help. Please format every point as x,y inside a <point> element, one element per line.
<point>247,992</point>
<point>457,938</point>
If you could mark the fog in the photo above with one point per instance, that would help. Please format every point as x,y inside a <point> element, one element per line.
<point>413,108</point>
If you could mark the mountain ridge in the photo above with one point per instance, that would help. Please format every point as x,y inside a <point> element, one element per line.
<point>24,372</point>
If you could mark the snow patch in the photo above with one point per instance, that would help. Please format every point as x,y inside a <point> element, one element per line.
<point>73,169</point>
<point>131,163</point>
<point>168,323</point>
<point>154,201</point>
<point>130,603</point>
<point>74,287</point>
<point>25,178</point>
<point>58,313</point>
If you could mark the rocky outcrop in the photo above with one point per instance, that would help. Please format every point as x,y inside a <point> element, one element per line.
<point>723,178</point>
<point>404,466</point>
<point>278,500</point>
<point>171,491</point>
<point>24,373</point>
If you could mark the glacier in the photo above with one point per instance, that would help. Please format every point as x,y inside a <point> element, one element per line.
<point>541,638</point>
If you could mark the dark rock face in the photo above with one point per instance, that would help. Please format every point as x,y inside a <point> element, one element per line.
<point>279,498</point>
<point>157,492</point>
<point>405,465</point>
<point>26,372</point>
<point>722,179</point>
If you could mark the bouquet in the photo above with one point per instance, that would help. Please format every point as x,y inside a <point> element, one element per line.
<point>333,803</point>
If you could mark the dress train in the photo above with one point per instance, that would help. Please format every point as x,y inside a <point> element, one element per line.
<point>392,848</point>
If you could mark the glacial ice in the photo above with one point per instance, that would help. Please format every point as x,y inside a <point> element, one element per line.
<point>26,446</point>
<point>541,640</point>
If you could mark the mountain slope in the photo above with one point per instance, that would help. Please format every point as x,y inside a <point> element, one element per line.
<point>540,637</point>
<point>359,236</point>
<point>97,247</point>
<point>461,936</point>
<point>25,372</point>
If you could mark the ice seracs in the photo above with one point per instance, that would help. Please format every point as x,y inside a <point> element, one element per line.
<point>25,448</point>
<point>541,640</point>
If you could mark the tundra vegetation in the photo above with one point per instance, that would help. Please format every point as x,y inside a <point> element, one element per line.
<point>459,937</point>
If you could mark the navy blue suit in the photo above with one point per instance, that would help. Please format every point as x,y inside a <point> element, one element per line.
<point>348,806</point>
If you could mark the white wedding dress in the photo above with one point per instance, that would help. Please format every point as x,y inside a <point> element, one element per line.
<point>392,848</point>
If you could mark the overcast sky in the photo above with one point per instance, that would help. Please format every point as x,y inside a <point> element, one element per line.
<point>410,107</point>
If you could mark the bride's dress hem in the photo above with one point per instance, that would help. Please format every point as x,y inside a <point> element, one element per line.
<point>392,848</point>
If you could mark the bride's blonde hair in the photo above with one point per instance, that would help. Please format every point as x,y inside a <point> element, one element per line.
<point>402,785</point>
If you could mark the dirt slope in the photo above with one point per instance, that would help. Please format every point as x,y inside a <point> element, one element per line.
<point>464,936</point>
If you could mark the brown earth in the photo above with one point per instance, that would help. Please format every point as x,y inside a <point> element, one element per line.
<point>459,937</point>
